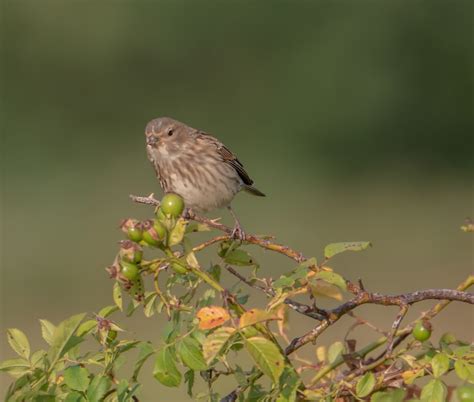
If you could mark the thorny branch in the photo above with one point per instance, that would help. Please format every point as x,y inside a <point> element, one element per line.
<point>329,317</point>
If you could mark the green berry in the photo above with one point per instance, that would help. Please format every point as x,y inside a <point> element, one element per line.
<point>422,331</point>
<point>178,268</point>
<point>132,228</point>
<point>134,234</point>
<point>465,393</point>
<point>129,270</point>
<point>150,235</point>
<point>172,204</point>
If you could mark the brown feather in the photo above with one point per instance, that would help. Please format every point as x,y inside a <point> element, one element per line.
<point>228,157</point>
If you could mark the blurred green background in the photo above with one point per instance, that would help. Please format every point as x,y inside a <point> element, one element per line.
<point>355,117</point>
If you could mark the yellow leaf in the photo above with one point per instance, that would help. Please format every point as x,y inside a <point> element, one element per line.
<point>192,260</point>
<point>282,323</point>
<point>212,317</point>
<point>321,353</point>
<point>323,288</point>
<point>255,316</point>
<point>410,376</point>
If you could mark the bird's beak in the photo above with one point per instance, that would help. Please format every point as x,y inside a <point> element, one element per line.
<point>151,140</point>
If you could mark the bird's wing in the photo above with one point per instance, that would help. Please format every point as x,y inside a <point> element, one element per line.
<point>228,157</point>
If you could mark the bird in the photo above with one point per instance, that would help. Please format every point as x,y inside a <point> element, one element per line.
<point>198,167</point>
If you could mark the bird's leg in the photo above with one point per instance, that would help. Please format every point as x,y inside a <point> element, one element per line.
<point>237,232</point>
<point>188,213</point>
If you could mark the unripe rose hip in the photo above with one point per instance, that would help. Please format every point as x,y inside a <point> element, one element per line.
<point>132,228</point>
<point>422,331</point>
<point>172,204</point>
<point>129,270</point>
<point>150,234</point>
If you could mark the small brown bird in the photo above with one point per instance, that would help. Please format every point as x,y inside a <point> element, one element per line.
<point>196,166</point>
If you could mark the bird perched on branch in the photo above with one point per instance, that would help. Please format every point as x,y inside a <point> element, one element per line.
<point>196,166</point>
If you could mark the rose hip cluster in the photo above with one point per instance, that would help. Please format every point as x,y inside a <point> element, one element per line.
<point>149,233</point>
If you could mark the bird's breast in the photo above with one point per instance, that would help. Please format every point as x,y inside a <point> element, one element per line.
<point>204,181</point>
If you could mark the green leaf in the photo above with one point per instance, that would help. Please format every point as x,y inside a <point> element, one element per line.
<point>146,350</point>
<point>300,272</point>
<point>177,233</point>
<point>63,338</point>
<point>43,397</point>
<point>434,391</point>
<point>267,356</point>
<point>365,385</point>
<point>334,351</point>
<point>106,311</point>
<point>463,351</point>
<point>239,257</point>
<point>397,395</point>
<point>289,384</point>
<point>189,379</point>
<point>15,367</point>
<point>149,308</point>
<point>165,370</point>
<point>440,364</point>
<point>117,296</point>
<point>332,278</point>
<point>464,370</point>
<point>86,327</point>
<point>37,359</point>
<point>197,227</point>
<point>283,282</point>
<point>122,391</point>
<point>335,248</point>
<point>215,343</point>
<point>98,388</point>
<point>76,378</point>
<point>47,330</point>
<point>74,397</point>
<point>189,350</point>
<point>19,342</point>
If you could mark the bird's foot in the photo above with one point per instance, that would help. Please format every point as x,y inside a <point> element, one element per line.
<point>188,213</point>
<point>237,232</point>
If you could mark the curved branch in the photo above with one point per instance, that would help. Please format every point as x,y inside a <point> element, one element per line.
<point>447,295</point>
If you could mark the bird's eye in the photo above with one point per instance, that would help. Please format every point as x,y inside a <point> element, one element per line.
<point>170,133</point>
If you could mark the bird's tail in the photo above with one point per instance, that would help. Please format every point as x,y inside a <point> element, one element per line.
<point>253,190</point>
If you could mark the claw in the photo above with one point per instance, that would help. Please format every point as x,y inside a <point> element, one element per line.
<point>237,232</point>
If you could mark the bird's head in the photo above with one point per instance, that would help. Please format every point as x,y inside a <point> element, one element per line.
<point>165,133</point>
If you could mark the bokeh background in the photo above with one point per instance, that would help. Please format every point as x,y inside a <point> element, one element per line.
<point>354,117</point>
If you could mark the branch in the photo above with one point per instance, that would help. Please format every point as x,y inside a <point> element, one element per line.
<point>251,239</point>
<point>376,298</point>
<point>401,334</point>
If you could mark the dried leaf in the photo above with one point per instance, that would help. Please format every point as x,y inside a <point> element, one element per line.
<point>212,317</point>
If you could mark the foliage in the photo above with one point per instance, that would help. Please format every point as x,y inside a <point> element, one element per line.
<point>210,326</point>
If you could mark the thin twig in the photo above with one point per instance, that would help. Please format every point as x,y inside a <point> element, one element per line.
<point>396,324</point>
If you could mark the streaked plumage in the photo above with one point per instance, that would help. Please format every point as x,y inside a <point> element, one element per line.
<point>195,165</point>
